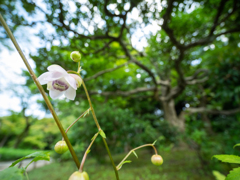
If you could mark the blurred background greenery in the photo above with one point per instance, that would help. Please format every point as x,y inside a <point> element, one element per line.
<point>155,70</point>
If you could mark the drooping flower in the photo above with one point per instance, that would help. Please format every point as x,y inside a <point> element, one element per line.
<point>59,82</point>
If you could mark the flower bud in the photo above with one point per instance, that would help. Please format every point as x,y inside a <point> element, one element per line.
<point>75,56</point>
<point>78,79</point>
<point>157,160</point>
<point>61,147</point>
<point>79,176</point>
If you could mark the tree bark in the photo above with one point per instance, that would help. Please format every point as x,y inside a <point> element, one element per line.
<point>170,115</point>
<point>4,140</point>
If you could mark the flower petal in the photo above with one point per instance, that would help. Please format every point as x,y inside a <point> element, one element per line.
<point>54,94</point>
<point>49,86</point>
<point>77,79</point>
<point>49,76</point>
<point>71,81</point>
<point>70,93</point>
<point>57,68</point>
<point>42,78</point>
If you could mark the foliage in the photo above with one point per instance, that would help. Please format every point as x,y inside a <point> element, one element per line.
<point>218,175</point>
<point>15,173</point>
<point>235,173</point>
<point>40,155</point>
<point>141,129</point>
<point>13,154</point>
<point>12,173</point>
<point>178,165</point>
<point>183,80</point>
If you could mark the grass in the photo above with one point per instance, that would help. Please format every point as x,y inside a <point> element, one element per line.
<point>178,165</point>
<point>7,154</point>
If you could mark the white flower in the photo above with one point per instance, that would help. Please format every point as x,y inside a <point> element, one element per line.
<point>59,82</point>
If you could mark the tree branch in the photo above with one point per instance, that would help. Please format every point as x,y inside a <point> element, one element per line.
<point>124,93</point>
<point>128,54</point>
<point>219,12</point>
<point>106,71</point>
<point>211,111</point>
<point>169,31</point>
<point>63,25</point>
<point>199,76</point>
<point>229,14</point>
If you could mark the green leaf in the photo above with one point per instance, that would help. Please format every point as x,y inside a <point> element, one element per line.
<point>94,136</point>
<point>11,173</point>
<point>88,151</point>
<point>102,134</point>
<point>228,158</point>
<point>124,162</point>
<point>234,174</point>
<point>218,175</point>
<point>135,154</point>
<point>40,155</point>
<point>236,145</point>
<point>154,142</point>
<point>87,112</point>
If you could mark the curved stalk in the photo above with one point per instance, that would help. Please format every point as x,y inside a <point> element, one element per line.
<point>50,107</point>
<point>86,153</point>
<point>99,128</point>
<point>77,120</point>
<point>145,145</point>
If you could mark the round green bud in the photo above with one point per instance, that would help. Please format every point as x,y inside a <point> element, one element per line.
<point>79,176</point>
<point>61,147</point>
<point>75,56</point>
<point>157,160</point>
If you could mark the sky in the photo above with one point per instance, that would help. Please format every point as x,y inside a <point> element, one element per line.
<point>11,66</point>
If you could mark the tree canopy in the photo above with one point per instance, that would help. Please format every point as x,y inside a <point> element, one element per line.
<point>167,58</point>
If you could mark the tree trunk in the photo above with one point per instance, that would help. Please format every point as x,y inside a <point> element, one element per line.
<point>170,115</point>
<point>4,140</point>
<point>206,120</point>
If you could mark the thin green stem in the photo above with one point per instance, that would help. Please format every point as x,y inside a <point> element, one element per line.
<point>90,103</point>
<point>50,107</point>
<point>26,175</point>
<point>130,152</point>
<point>77,120</point>
<point>78,67</point>
<point>86,152</point>
<point>99,128</point>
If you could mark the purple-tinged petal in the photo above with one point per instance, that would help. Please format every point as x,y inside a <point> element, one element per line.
<point>57,68</point>
<point>42,78</point>
<point>71,81</point>
<point>54,94</point>
<point>54,76</point>
<point>70,93</point>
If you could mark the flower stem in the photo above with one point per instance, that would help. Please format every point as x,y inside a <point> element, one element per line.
<point>90,103</point>
<point>26,175</point>
<point>50,107</point>
<point>86,152</point>
<point>99,128</point>
<point>77,120</point>
<point>78,67</point>
<point>145,145</point>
